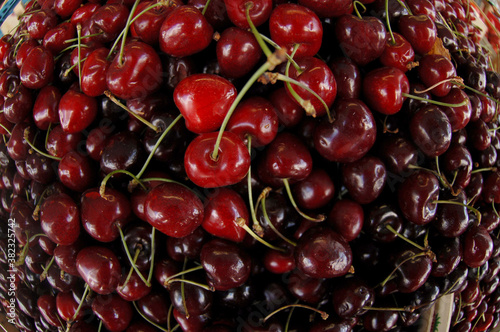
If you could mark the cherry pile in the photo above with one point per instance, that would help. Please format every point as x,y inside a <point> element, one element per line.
<point>248,165</point>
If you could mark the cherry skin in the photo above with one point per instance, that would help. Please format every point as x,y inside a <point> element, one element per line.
<point>317,76</point>
<point>230,167</point>
<point>105,23</point>
<point>188,246</point>
<point>361,39</point>
<point>378,218</point>
<point>48,309</point>
<point>226,265</point>
<point>102,215</point>
<point>65,8</point>
<point>204,100</point>
<point>430,130</point>
<point>59,142</point>
<point>398,153</point>
<point>173,209</point>
<point>289,112</point>
<point>350,295</point>
<point>185,32</point>
<point>40,22</point>
<point>347,77</point>
<point>65,257</point>
<point>292,24</point>
<point>138,74</point>
<point>254,117</point>
<point>329,8</point>
<point>364,178</point>
<point>279,262</point>
<point>76,111</point>
<point>458,164</point>
<point>459,116</point>
<point>191,299</point>
<point>448,255</point>
<point>346,218</point>
<point>412,271</point>
<point>477,246</point>
<point>76,172</point>
<point>55,39</point>
<point>147,26</point>
<point>222,210</point>
<point>322,253</point>
<point>134,289</point>
<point>16,109</point>
<point>306,288</point>
<point>123,151</point>
<point>435,68</point>
<point>114,312</point>
<point>419,30</point>
<point>452,220</point>
<point>258,12</point>
<point>351,134</point>
<point>384,89</point>
<point>67,306</point>
<point>93,80</point>
<point>99,268</point>
<point>60,219</point>
<point>237,52</point>
<point>398,53</point>
<point>315,191</point>
<point>416,197</point>
<point>45,108</point>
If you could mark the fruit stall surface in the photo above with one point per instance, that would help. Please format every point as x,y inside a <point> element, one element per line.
<point>249,165</point>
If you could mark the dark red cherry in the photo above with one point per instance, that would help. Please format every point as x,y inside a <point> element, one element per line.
<point>227,266</point>
<point>38,69</point>
<point>204,100</point>
<point>435,68</point>
<point>349,136</point>
<point>477,246</point>
<point>448,255</point>
<point>380,320</point>
<point>45,108</point>
<point>289,112</point>
<point>279,262</point>
<point>59,142</point>
<point>114,312</point>
<point>322,253</point>
<point>16,109</point>
<point>398,53</point>
<point>412,270</point>
<point>350,296</point>
<point>123,151</point>
<point>105,23</point>
<point>459,116</point>
<point>397,153</point>
<point>173,209</point>
<point>291,25</point>
<point>346,218</point>
<point>306,288</point>
<point>40,168</point>
<point>364,178</point>
<point>258,12</point>
<point>48,309</point>
<point>60,219</point>
<point>100,269</point>
<point>40,22</point>
<point>458,165</point>
<point>347,76</point>
<point>101,215</point>
<point>315,191</point>
<point>190,299</point>
<point>431,131</point>
<point>329,8</point>
<point>379,218</point>
<point>185,32</point>
<point>188,246</point>
<point>65,257</point>
<point>419,30</point>
<point>76,172</point>
<point>417,195</point>
<point>361,39</point>
<point>237,52</point>
<point>223,209</point>
<point>147,26</point>
<point>67,306</point>
<point>134,289</point>
<point>230,167</point>
<point>452,220</point>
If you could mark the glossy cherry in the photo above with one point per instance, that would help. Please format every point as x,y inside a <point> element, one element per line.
<point>258,12</point>
<point>384,89</point>
<point>114,312</point>
<point>99,268</point>
<point>76,111</point>
<point>419,30</point>
<point>60,219</point>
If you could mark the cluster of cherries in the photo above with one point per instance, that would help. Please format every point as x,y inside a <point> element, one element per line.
<point>248,165</point>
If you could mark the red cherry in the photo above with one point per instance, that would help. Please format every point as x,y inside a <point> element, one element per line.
<point>60,219</point>
<point>76,111</point>
<point>364,178</point>
<point>83,13</point>
<point>105,23</point>
<point>459,116</point>
<point>384,89</point>
<point>67,306</point>
<point>40,22</point>
<point>137,74</point>
<point>65,257</point>
<point>346,218</point>
<point>55,39</point>
<point>419,30</point>
<point>222,210</point>
<point>48,309</point>
<point>230,167</point>
<point>38,68</point>
<point>24,50</point>
<point>114,312</point>
<point>398,53</point>
<point>59,143</point>
<point>45,109</point>
<point>99,268</point>
<point>347,76</point>
<point>93,80</point>
<point>329,8</point>
<point>291,24</point>
<point>431,130</point>
<point>147,26</point>
<point>435,68</point>
<point>76,172</point>
<point>289,112</point>
<point>258,11</point>
<point>101,215</point>
<point>134,289</point>
<point>477,246</point>
<point>204,100</point>
<point>65,8</point>
<point>173,209</point>
<point>315,191</point>
<point>185,32</point>
<point>16,109</point>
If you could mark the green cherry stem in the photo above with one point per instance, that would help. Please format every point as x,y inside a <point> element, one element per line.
<point>157,144</point>
<point>130,259</point>
<point>129,275</point>
<point>205,7</point>
<point>43,276</point>
<point>256,33</point>
<point>405,6</point>
<point>454,79</point>
<point>266,216</point>
<point>99,329</point>
<point>147,319</point>
<point>476,211</point>
<point>435,102</point>
<point>416,245</point>
<point>356,4</point>
<point>389,277</point>
<point>194,283</point>
<point>182,273</point>
<point>242,223</point>
<point>477,92</point>
<point>323,314</point>
<point>388,22</point>
<point>295,206</point>
<point>276,46</point>
<point>256,226</point>
<point>66,73</point>
<point>138,117</point>
<point>406,309</point>
<point>125,32</point>
<point>82,300</point>
<point>102,187</point>
<point>7,130</point>
<point>32,146</point>
<point>79,45</point>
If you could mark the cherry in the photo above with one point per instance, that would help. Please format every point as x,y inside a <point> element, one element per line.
<point>239,12</point>
<point>477,246</point>
<point>65,257</point>
<point>279,262</point>
<point>222,210</point>
<point>188,246</point>
<point>347,76</point>
<point>147,26</point>
<point>349,136</point>
<point>230,166</point>
<point>40,22</point>
<point>364,178</point>
<point>84,13</point>
<point>134,73</point>
<point>59,280</point>
<point>17,108</point>
<point>227,266</point>
<point>59,142</point>
<point>114,312</point>
<point>60,219</point>
<point>190,323</point>
<point>293,25</point>
<point>204,100</point>
<point>105,23</point>
<point>190,299</point>
<point>55,39</point>
<point>459,116</point>
<point>328,9</point>
<point>416,196</point>
<point>237,52</point>
<point>185,32</point>
<point>385,88</point>
<point>65,8</point>
<point>99,268</point>
<point>45,108</point>
<point>48,309</point>
<point>289,112</point>
<point>419,30</point>
<point>322,253</point>
<point>315,191</point>
<point>350,296</point>
<point>102,215</point>
<point>452,220</point>
<point>76,172</point>
<point>40,168</point>
<point>413,269</point>
<point>458,165</point>
<point>434,69</point>
<point>431,130</point>
<point>67,307</point>
<point>93,80</point>
<point>122,151</point>
<point>132,288</point>
<point>76,111</point>
<point>306,288</point>
<point>361,39</point>
<point>173,209</point>
<point>398,53</point>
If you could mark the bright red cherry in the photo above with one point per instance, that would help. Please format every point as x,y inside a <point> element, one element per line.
<point>398,53</point>
<point>258,10</point>
<point>93,81</point>
<point>114,312</point>
<point>99,268</point>
<point>147,26</point>
<point>38,68</point>
<point>45,109</point>
<point>204,100</point>
<point>384,89</point>
<point>76,111</point>
<point>435,68</point>
<point>60,219</point>
<point>419,30</point>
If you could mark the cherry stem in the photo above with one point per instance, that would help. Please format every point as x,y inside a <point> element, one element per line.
<point>79,44</point>
<point>388,21</point>
<point>416,245</point>
<point>170,311</point>
<point>66,73</point>
<point>100,326</point>
<point>26,134</point>
<point>168,181</point>
<point>182,273</point>
<point>319,218</point>
<point>125,32</point>
<point>276,46</point>
<point>157,144</point>
<point>477,92</point>
<point>263,194</point>
<point>476,211</point>
<point>183,291</point>
<point>477,321</point>
<point>7,130</point>
<point>24,250</point>
<point>153,254</point>
<point>355,4</point>
<point>43,276</point>
<point>205,7</point>
<point>148,320</point>
<point>268,220</point>
<point>102,188</point>
<point>194,283</point>
<point>72,47</point>
<point>435,102</point>
<point>129,256</point>
<point>389,277</point>
<point>289,318</point>
<point>323,314</point>
<point>451,79</point>
<point>306,104</point>
<point>406,309</point>
<point>405,6</point>
<point>256,33</point>
<point>265,67</point>
<point>256,226</point>
<point>459,306</point>
<point>137,116</point>
<point>495,210</point>
<point>487,169</point>
<point>242,223</point>
<point>82,300</point>
<point>129,275</point>
<point>72,40</point>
